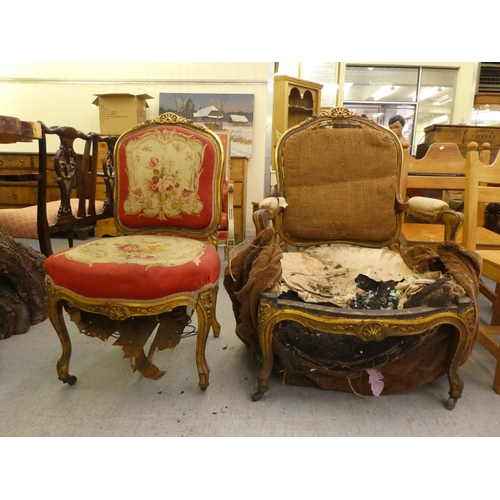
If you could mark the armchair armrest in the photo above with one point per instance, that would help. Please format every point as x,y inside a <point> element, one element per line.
<point>433,210</point>
<point>268,209</point>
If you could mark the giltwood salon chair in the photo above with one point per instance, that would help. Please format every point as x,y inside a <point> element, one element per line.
<point>76,207</point>
<point>483,186</point>
<point>164,264</point>
<point>299,312</point>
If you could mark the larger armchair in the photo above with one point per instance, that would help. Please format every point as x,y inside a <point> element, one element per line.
<point>163,266</point>
<point>348,310</point>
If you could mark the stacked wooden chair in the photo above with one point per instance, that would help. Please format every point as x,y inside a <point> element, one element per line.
<point>483,186</point>
<point>441,170</point>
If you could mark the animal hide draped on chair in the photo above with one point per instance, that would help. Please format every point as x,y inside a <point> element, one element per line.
<point>23,293</point>
<point>323,360</point>
<point>254,270</point>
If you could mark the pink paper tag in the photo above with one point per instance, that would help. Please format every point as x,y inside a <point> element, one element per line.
<point>376,380</point>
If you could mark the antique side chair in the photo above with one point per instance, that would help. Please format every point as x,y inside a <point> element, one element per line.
<point>163,266</point>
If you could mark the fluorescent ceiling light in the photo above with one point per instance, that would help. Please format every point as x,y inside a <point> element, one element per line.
<point>383,92</point>
<point>442,102</point>
<point>422,96</point>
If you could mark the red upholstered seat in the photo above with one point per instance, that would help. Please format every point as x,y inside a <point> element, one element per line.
<point>164,264</point>
<point>158,265</point>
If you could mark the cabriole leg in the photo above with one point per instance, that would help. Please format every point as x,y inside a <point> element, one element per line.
<point>55,313</point>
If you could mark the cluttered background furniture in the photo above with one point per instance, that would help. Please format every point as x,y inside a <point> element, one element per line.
<point>348,310</point>
<point>164,266</point>
<point>461,135</point>
<point>483,186</point>
<point>75,190</point>
<point>294,100</point>
<point>441,173</point>
<point>442,169</point>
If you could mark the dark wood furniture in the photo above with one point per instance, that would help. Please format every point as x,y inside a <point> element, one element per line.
<point>57,192</point>
<point>461,135</point>
<point>77,177</point>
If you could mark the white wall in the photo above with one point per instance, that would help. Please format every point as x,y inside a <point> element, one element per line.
<point>62,94</point>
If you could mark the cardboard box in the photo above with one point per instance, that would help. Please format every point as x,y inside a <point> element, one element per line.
<point>120,112</point>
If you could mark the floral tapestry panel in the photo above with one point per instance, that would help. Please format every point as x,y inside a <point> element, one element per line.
<point>145,250</point>
<point>163,169</point>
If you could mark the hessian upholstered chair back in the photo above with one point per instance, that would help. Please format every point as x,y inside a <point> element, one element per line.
<point>314,170</point>
<point>163,265</point>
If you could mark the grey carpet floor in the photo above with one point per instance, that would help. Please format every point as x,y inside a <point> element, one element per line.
<point>110,400</point>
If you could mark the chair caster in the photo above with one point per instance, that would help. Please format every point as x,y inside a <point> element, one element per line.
<point>256,395</point>
<point>71,380</point>
<point>450,404</point>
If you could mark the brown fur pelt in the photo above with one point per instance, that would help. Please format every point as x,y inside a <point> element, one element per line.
<point>251,272</point>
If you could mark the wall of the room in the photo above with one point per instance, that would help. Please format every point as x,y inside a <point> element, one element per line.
<point>62,94</point>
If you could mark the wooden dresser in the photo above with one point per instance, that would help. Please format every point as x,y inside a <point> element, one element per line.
<point>238,174</point>
<point>24,194</point>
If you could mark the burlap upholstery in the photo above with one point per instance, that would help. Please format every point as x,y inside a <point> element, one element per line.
<point>338,183</point>
<point>357,196</point>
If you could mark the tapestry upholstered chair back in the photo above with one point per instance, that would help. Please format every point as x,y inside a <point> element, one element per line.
<point>168,179</point>
<point>340,175</point>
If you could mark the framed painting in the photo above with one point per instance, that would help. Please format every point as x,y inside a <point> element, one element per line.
<point>229,113</point>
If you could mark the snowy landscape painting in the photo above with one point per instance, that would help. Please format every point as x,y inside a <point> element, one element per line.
<point>231,113</point>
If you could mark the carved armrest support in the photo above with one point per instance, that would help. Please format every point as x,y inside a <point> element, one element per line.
<point>433,210</point>
<point>268,209</point>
